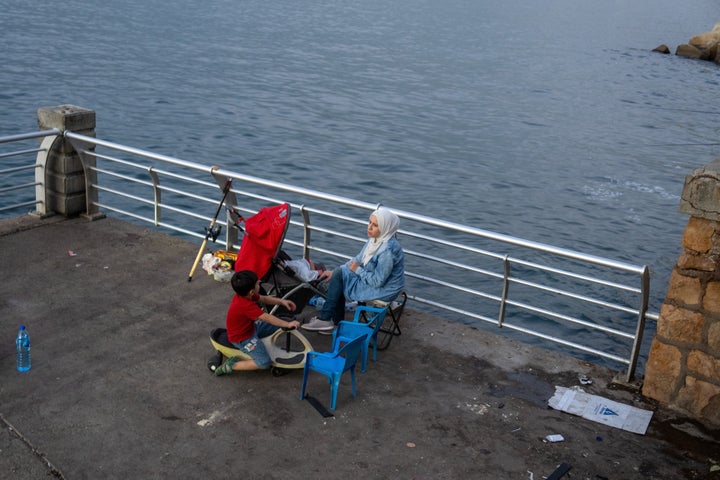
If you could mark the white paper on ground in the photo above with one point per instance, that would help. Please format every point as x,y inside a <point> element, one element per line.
<point>601,410</point>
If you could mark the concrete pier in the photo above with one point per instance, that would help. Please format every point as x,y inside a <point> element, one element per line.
<point>119,386</point>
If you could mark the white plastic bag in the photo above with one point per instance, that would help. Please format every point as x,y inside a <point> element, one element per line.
<point>210,263</point>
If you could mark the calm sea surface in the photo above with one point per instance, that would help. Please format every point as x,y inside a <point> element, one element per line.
<point>549,120</point>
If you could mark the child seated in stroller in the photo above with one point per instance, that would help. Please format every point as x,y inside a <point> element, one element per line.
<point>377,272</point>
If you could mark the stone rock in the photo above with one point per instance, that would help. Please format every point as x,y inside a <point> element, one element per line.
<point>662,371</point>
<point>662,49</point>
<point>679,325</point>
<point>688,51</point>
<point>711,301</point>
<point>714,338</point>
<point>684,290</point>
<point>698,235</point>
<point>701,399</point>
<point>701,193</point>
<point>692,261</point>
<point>703,364</point>
<point>707,43</point>
<point>704,46</point>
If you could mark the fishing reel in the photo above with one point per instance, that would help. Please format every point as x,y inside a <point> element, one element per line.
<point>213,232</point>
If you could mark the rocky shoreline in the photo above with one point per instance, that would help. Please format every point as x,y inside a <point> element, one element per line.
<point>702,47</point>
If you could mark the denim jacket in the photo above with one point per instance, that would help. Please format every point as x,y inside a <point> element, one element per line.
<point>383,278</point>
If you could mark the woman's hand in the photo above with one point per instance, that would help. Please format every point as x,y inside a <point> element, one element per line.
<point>325,275</point>
<point>353,265</point>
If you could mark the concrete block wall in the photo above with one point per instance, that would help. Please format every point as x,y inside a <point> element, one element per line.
<point>64,175</point>
<point>683,368</point>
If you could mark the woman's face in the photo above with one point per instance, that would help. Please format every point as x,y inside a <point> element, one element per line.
<point>373,229</point>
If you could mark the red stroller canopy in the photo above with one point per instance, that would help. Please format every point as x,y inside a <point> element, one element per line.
<point>264,235</point>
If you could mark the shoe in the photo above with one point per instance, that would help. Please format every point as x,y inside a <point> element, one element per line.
<point>318,325</point>
<point>226,367</point>
<point>327,332</point>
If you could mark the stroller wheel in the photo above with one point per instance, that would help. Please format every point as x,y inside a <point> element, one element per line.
<point>278,372</point>
<point>215,361</point>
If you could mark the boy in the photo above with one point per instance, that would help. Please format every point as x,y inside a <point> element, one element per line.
<point>247,323</point>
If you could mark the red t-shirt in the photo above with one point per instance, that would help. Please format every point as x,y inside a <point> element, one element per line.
<point>241,316</point>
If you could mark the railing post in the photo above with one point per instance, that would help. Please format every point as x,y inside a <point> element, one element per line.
<point>644,300</point>
<point>157,195</point>
<point>306,232</point>
<point>231,233</point>
<point>506,287</point>
<point>67,180</point>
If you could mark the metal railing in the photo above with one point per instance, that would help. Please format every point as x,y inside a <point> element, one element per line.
<point>13,175</point>
<point>537,292</point>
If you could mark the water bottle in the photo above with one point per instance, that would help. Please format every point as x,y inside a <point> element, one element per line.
<point>22,348</point>
<point>317,301</point>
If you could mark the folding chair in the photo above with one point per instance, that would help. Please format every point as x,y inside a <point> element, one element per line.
<point>333,365</point>
<point>391,324</point>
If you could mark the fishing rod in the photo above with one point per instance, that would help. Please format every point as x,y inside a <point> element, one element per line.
<point>211,231</point>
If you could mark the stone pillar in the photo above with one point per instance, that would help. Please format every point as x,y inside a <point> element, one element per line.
<point>683,368</point>
<point>64,173</point>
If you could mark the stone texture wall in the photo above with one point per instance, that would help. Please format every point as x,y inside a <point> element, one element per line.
<point>683,369</point>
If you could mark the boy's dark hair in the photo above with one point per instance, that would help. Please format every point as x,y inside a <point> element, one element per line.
<point>243,281</point>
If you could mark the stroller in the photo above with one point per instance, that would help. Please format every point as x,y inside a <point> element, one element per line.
<point>260,252</point>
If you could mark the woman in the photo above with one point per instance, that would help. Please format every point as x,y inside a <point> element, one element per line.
<point>376,273</point>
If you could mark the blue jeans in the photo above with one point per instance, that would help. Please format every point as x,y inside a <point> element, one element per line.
<point>254,348</point>
<point>334,307</point>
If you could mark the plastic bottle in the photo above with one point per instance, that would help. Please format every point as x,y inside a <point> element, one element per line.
<point>22,348</point>
<point>319,302</point>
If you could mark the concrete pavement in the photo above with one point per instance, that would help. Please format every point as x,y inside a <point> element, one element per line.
<point>119,386</point>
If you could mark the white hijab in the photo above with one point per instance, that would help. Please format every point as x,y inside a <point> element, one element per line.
<point>388,224</point>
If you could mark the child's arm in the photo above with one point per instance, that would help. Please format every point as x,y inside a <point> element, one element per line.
<point>270,300</point>
<point>272,319</point>
<point>279,322</point>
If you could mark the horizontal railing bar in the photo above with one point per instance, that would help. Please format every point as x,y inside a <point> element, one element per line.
<point>18,205</point>
<point>567,343</point>
<point>19,187</point>
<point>455,245</point>
<point>577,321</point>
<point>123,194</point>
<point>576,296</point>
<point>453,286</point>
<point>526,331</point>
<point>122,176</point>
<point>19,169</point>
<point>21,152</point>
<point>151,203</point>
<point>150,220</point>
<point>28,136</point>
<point>468,268</point>
<point>449,308</point>
<point>576,276</point>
